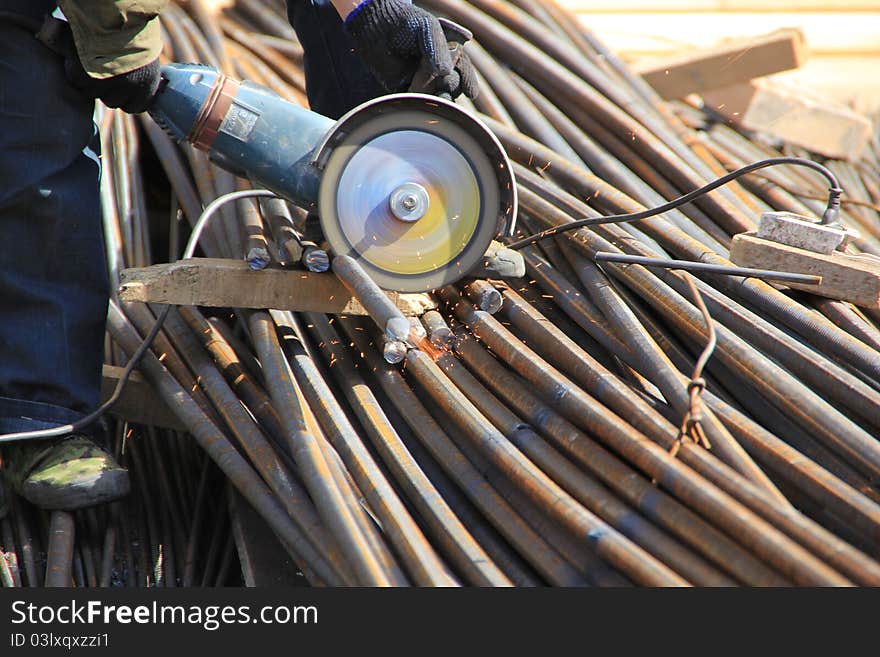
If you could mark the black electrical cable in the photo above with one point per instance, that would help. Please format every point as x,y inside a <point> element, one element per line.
<point>830,216</point>
<point>126,373</point>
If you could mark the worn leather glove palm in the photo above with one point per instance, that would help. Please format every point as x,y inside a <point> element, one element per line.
<point>393,36</point>
<point>131,92</point>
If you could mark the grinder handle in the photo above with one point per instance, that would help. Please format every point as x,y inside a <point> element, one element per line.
<point>456,36</point>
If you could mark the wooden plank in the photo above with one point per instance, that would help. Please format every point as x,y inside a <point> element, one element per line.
<point>854,278</point>
<point>789,114</point>
<point>138,403</point>
<point>218,282</point>
<point>731,62</point>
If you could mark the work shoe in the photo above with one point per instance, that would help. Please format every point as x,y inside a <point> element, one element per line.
<point>68,474</point>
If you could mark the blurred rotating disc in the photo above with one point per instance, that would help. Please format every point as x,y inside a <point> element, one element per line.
<point>376,171</point>
<point>374,167</point>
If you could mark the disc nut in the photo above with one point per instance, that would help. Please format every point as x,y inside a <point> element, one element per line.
<point>409,202</point>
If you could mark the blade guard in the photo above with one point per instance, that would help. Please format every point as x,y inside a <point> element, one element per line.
<point>506,221</point>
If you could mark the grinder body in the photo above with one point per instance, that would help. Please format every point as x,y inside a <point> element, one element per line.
<point>244,127</point>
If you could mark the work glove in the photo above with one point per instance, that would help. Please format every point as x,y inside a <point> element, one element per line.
<point>394,36</point>
<point>131,92</point>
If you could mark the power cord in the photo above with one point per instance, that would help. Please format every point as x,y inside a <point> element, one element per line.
<point>829,217</point>
<point>55,432</point>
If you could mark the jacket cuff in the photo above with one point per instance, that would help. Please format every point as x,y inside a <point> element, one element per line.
<point>112,40</point>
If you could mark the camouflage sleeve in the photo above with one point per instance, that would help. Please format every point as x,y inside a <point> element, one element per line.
<point>114,36</point>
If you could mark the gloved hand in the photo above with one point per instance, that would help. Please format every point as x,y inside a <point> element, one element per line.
<point>131,92</point>
<point>392,36</point>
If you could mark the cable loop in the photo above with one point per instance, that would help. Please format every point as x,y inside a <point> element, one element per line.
<point>691,424</point>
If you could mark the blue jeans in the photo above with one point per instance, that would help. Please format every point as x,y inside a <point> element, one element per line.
<point>53,278</point>
<point>336,78</point>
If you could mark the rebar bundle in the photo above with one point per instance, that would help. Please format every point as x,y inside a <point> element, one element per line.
<point>560,429</point>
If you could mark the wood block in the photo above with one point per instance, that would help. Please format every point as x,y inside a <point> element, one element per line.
<point>731,62</point>
<point>217,282</point>
<point>819,125</point>
<point>853,278</point>
<point>139,403</point>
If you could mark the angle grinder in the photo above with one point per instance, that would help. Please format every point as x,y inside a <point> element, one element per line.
<point>412,186</point>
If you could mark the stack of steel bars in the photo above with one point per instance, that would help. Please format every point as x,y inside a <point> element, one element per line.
<point>547,430</point>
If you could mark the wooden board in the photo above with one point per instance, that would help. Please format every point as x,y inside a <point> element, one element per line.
<point>731,62</point>
<point>789,114</point>
<point>138,403</point>
<point>847,277</point>
<point>222,283</point>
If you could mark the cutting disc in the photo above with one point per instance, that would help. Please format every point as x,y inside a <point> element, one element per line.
<point>442,173</point>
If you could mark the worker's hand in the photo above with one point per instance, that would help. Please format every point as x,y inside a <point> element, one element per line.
<point>393,36</point>
<point>132,92</point>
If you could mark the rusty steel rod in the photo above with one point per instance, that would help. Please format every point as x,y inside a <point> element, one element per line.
<point>631,486</point>
<point>26,543</point>
<point>681,480</point>
<point>390,380</point>
<point>588,492</point>
<point>604,540</point>
<point>9,554</point>
<point>59,553</point>
<point>651,359</point>
<point>377,304</point>
<point>485,296</point>
<point>540,554</point>
<point>446,529</point>
<point>787,392</point>
<point>844,557</point>
<point>317,475</point>
<point>218,447</point>
<point>397,523</point>
<point>259,450</point>
<point>437,329</point>
<point>288,243</point>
